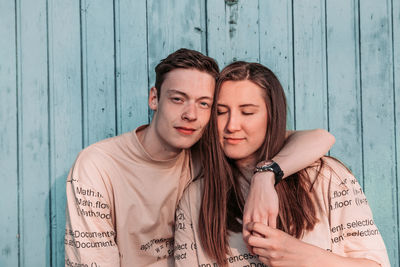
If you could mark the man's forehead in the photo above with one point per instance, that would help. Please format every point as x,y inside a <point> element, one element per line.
<point>189,82</point>
<point>181,73</point>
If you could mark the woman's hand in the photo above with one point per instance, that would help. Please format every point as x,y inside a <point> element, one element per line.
<point>276,248</point>
<point>262,204</point>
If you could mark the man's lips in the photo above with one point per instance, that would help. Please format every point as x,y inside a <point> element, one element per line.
<point>185,130</point>
<point>233,140</point>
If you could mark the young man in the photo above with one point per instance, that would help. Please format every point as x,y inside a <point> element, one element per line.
<point>122,192</point>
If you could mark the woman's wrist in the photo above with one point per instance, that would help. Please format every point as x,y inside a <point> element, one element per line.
<point>264,177</point>
<point>271,167</point>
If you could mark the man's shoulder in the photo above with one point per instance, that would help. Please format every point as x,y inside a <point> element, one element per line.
<point>193,193</point>
<point>111,145</point>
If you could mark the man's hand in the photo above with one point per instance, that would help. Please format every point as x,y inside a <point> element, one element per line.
<point>262,204</point>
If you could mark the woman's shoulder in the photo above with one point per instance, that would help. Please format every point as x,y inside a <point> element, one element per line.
<point>330,170</point>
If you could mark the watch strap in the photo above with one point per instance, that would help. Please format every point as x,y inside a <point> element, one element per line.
<point>265,166</point>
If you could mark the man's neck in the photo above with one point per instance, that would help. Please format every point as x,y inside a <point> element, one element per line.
<point>152,145</point>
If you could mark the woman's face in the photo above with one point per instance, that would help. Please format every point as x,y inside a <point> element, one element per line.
<point>242,119</point>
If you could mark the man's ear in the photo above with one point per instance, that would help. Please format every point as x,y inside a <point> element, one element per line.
<point>153,100</point>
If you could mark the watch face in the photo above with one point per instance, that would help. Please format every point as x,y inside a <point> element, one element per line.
<point>267,168</point>
<point>264,163</point>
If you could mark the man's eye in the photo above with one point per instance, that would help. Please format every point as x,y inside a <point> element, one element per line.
<point>177,100</point>
<point>204,104</point>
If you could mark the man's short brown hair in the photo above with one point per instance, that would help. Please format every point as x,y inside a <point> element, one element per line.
<point>185,59</point>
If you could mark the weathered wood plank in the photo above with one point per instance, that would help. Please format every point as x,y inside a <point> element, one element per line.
<point>65,110</point>
<point>233,31</point>
<point>172,25</point>
<point>396,88</point>
<point>378,118</point>
<point>131,67</point>
<point>216,31</point>
<point>34,135</point>
<point>344,95</point>
<point>310,64</point>
<point>98,69</point>
<point>276,46</point>
<point>8,137</point>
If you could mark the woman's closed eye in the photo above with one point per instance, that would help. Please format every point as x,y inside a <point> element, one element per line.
<point>248,111</point>
<point>221,110</point>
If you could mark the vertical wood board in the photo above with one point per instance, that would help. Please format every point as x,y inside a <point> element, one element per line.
<point>396,88</point>
<point>99,69</point>
<point>378,118</point>
<point>276,46</point>
<point>343,83</point>
<point>310,64</point>
<point>34,138</point>
<point>131,67</point>
<point>65,102</point>
<point>8,137</point>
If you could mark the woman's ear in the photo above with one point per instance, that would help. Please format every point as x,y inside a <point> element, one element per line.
<point>153,100</point>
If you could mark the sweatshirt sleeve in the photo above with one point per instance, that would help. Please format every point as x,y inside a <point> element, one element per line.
<point>90,233</point>
<point>353,230</point>
<point>185,244</point>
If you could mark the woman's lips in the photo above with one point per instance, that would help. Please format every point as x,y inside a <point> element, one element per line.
<point>233,141</point>
<point>184,130</point>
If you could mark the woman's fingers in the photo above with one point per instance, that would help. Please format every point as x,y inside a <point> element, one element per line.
<point>259,228</point>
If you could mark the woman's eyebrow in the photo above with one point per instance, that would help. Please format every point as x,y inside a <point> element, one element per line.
<point>242,106</point>
<point>249,105</point>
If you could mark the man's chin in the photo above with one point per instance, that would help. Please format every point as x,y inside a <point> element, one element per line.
<point>188,144</point>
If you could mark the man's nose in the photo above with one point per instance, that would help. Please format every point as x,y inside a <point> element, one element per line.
<point>190,112</point>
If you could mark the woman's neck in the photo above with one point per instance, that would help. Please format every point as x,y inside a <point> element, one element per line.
<point>246,166</point>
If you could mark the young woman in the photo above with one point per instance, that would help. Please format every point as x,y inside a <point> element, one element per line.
<point>324,218</point>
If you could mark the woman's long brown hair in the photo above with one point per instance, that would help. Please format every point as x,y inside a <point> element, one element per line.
<point>222,199</point>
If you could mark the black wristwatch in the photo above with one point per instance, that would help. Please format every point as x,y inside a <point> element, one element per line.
<point>270,166</point>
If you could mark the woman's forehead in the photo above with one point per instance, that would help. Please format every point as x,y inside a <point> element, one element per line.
<point>244,92</point>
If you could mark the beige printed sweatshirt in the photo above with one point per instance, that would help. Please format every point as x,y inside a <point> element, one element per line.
<point>346,226</point>
<point>121,205</point>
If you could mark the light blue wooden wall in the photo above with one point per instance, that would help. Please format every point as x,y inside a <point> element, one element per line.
<point>75,72</point>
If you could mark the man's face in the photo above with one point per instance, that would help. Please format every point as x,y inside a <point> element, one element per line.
<point>184,108</point>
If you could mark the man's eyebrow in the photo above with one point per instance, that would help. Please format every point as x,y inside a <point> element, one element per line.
<point>176,91</point>
<point>205,97</point>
